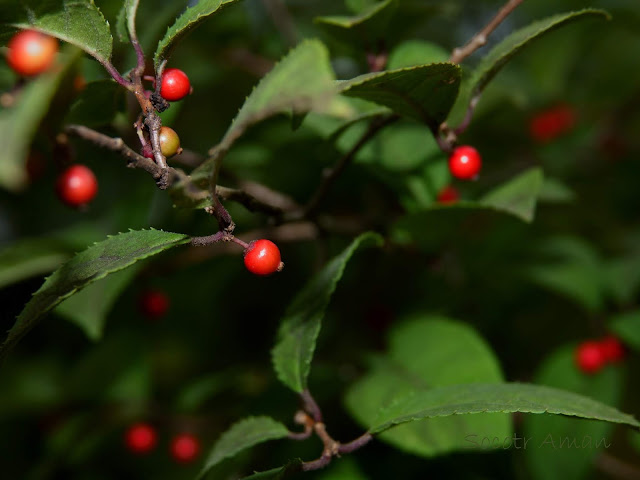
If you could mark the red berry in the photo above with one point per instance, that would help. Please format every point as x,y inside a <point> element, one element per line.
<point>465,162</point>
<point>589,357</point>
<point>154,304</point>
<point>550,124</point>
<point>262,257</point>
<point>612,349</point>
<point>448,195</point>
<point>185,447</point>
<point>175,85</point>
<point>31,52</point>
<point>169,142</point>
<point>77,185</point>
<point>147,151</point>
<point>141,438</point>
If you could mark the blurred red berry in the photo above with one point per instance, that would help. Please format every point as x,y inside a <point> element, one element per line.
<point>552,123</point>
<point>612,349</point>
<point>31,52</point>
<point>185,447</point>
<point>589,357</point>
<point>141,438</point>
<point>465,162</point>
<point>448,195</point>
<point>77,186</point>
<point>154,304</point>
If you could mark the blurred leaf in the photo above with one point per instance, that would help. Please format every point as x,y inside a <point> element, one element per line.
<point>554,191</point>
<point>121,23</point>
<point>241,436</point>
<point>94,263</point>
<point>518,196</point>
<point>19,124</point>
<point>574,271</point>
<point>129,8</point>
<point>500,397</point>
<point>627,327</point>
<point>428,352</point>
<point>559,371</point>
<point>425,93</point>
<point>31,257</point>
<point>89,308</point>
<point>345,469</point>
<point>622,278</point>
<point>97,105</point>
<point>189,20</point>
<point>301,324</point>
<point>369,25</point>
<point>405,147</point>
<point>32,386</point>
<point>416,52</point>
<point>280,473</point>
<point>77,22</point>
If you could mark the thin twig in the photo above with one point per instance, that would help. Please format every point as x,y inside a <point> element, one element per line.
<point>359,442</point>
<point>480,38</point>
<point>333,174</point>
<point>310,406</point>
<point>282,20</point>
<point>108,66</point>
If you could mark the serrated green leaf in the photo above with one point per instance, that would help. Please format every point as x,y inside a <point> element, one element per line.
<point>280,473</point>
<point>78,22</point>
<point>560,371</point>
<point>97,105</point>
<point>500,55</point>
<point>500,397</point>
<point>425,93</point>
<point>188,21</point>
<point>428,352</point>
<point>88,266</point>
<point>367,26</point>
<point>19,124</point>
<point>301,324</point>
<point>89,308</point>
<point>241,436</point>
<point>518,196</point>
<point>627,326</point>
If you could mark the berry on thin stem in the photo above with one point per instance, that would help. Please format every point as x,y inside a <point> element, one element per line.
<point>185,447</point>
<point>175,85</point>
<point>262,257</point>
<point>465,162</point>
<point>141,438</point>
<point>77,186</point>
<point>169,142</point>
<point>31,52</point>
<point>589,357</point>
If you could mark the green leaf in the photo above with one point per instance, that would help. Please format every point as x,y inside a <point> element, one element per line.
<point>241,436</point>
<point>19,124</point>
<point>501,397</point>
<point>627,326</point>
<point>89,308</point>
<point>518,196</point>
<point>369,25</point>
<point>427,352</point>
<point>98,104</point>
<point>78,22</point>
<point>547,432</point>
<point>31,257</point>
<point>425,93</point>
<point>94,263</point>
<point>416,52</point>
<point>554,191</point>
<point>301,81</point>
<point>500,55</point>
<point>301,324</point>
<point>130,8</point>
<point>280,473</point>
<point>185,23</point>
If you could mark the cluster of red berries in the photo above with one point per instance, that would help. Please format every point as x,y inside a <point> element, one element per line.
<point>142,438</point>
<point>552,123</point>
<point>591,356</point>
<point>464,164</point>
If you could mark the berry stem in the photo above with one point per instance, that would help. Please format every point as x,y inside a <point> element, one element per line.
<point>236,240</point>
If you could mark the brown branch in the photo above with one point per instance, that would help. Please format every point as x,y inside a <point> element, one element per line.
<point>480,38</point>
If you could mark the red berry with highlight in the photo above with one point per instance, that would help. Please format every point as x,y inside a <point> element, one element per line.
<point>612,349</point>
<point>448,195</point>
<point>185,447</point>
<point>154,304</point>
<point>77,186</point>
<point>175,85</point>
<point>141,438</point>
<point>31,52</point>
<point>589,357</point>
<point>465,162</point>
<point>262,257</point>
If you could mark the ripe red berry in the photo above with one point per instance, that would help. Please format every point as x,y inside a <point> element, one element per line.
<point>31,52</point>
<point>465,162</point>
<point>612,349</point>
<point>169,142</point>
<point>589,357</point>
<point>262,257</point>
<point>140,438</point>
<point>154,304</point>
<point>550,124</point>
<point>175,85</point>
<point>448,195</point>
<point>77,185</point>
<point>185,447</point>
